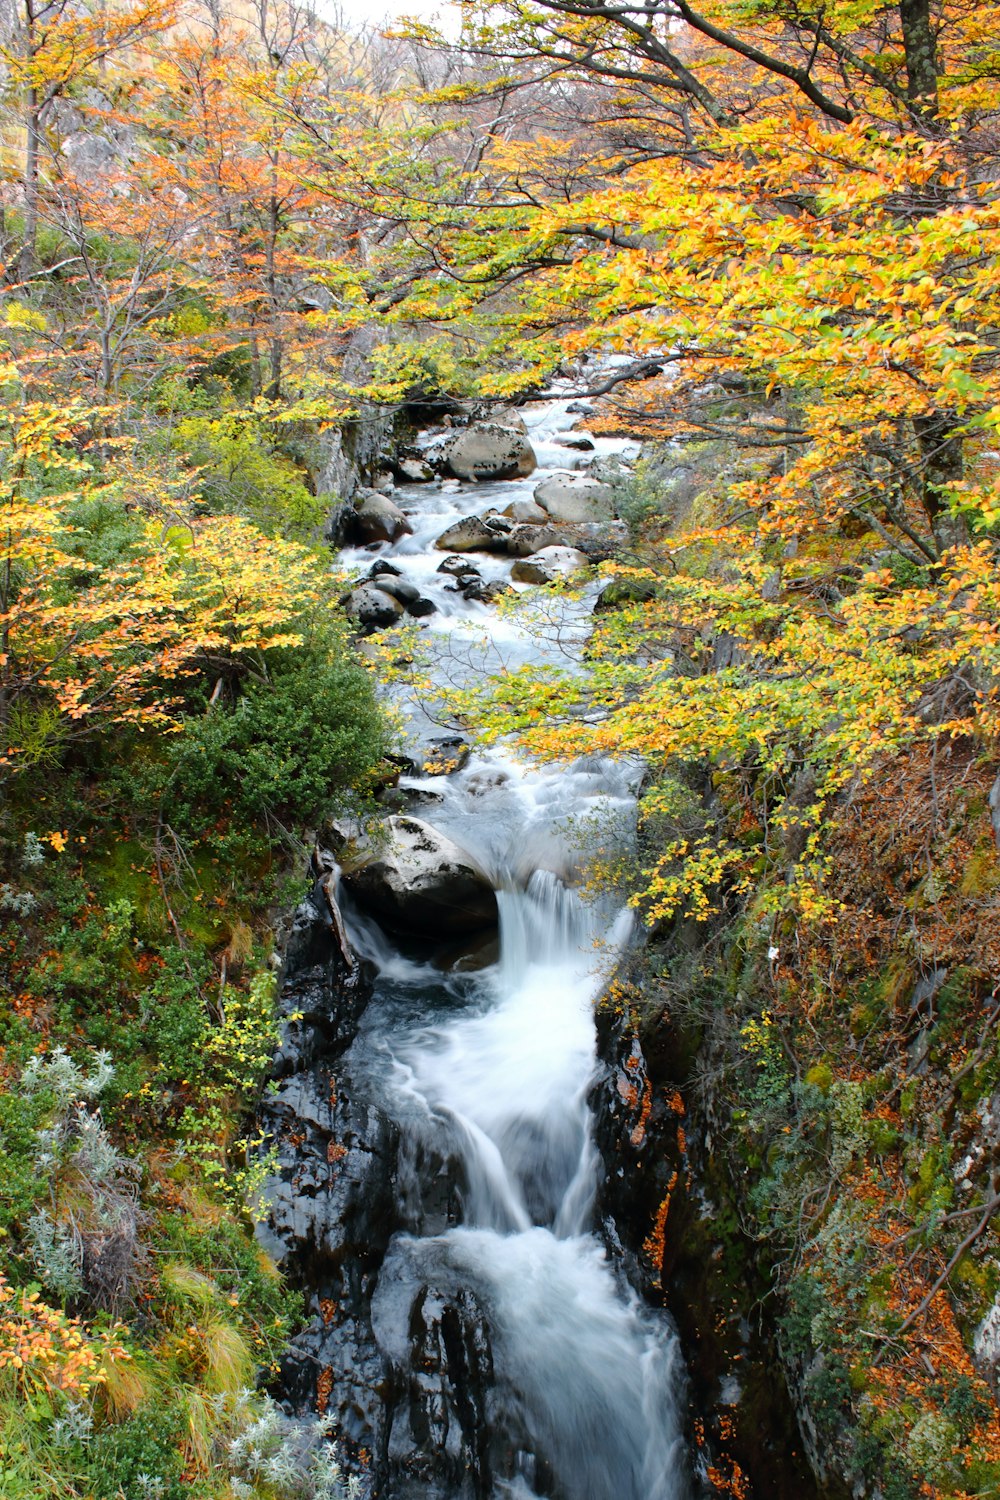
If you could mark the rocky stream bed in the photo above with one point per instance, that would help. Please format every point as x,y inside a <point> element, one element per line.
<point>468,1164</point>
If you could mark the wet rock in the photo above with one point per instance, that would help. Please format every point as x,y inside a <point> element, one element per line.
<point>488,450</point>
<point>526,510</point>
<point>411,470</point>
<point>384,567</point>
<point>379,519</point>
<point>526,539</point>
<point>408,595</point>
<point>481,592</point>
<point>577,440</point>
<point>435,1336</point>
<point>372,608</point>
<point>580,409</point>
<point>473,534</point>
<point>576,499</point>
<point>423,884</point>
<point>479,952</point>
<point>548,565</point>
<point>460,567</point>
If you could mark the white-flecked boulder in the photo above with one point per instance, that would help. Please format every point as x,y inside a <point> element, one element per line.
<point>576,500</point>
<point>371,608</point>
<point>422,883</point>
<point>488,450</point>
<point>526,539</point>
<point>472,534</point>
<point>548,565</point>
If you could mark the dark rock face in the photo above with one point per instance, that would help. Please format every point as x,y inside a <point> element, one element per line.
<point>397,1348</point>
<point>665,1212</point>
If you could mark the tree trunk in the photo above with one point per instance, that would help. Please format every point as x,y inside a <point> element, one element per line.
<point>943,467</point>
<point>920,50</point>
<point>33,129</point>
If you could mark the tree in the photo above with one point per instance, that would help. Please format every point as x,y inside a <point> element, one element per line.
<point>796,250</point>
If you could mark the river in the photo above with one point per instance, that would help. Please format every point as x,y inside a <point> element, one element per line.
<point>485,1078</point>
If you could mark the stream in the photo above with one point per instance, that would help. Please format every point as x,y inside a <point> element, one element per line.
<point>482,1342</point>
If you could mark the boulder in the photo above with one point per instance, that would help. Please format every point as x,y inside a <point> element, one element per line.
<point>548,565</point>
<point>407,593</point>
<point>472,534</point>
<point>526,510</point>
<point>413,471</point>
<point>577,440</point>
<point>525,539</point>
<point>485,593</point>
<point>600,542</point>
<point>488,450</point>
<point>622,591</point>
<point>378,519</point>
<point>609,470</point>
<point>382,566</point>
<point>423,884</point>
<point>457,566</point>
<point>372,608</point>
<point>576,499</point>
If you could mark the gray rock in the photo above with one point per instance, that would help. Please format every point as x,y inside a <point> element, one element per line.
<point>473,534</point>
<point>548,565</point>
<point>489,450</point>
<point>372,608</point>
<point>526,510</point>
<point>526,539</point>
<point>610,470</point>
<point>379,519</point>
<point>576,440</point>
<point>409,596</point>
<point>414,471</point>
<point>576,499</point>
<point>423,884</point>
<point>986,1346</point>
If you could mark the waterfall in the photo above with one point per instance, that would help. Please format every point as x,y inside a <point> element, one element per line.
<point>493,1071</point>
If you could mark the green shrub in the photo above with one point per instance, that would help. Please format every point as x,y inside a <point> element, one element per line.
<point>303,741</point>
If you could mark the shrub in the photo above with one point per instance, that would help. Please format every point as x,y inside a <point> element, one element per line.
<point>302,740</point>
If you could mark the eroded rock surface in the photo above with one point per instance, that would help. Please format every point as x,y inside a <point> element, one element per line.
<point>422,883</point>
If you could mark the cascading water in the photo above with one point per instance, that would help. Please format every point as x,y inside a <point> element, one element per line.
<point>491,1073</point>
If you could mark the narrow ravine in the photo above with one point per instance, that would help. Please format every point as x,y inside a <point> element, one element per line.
<point>471,1330</point>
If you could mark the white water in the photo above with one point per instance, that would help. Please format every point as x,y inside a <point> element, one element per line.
<point>495,1070</point>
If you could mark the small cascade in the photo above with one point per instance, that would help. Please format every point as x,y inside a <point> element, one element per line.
<point>516,1362</point>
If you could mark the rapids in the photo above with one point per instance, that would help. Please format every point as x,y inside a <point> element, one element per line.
<point>494,1070</point>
